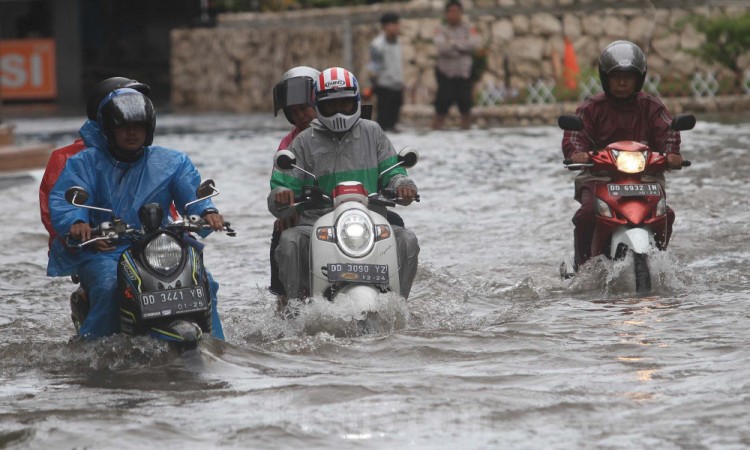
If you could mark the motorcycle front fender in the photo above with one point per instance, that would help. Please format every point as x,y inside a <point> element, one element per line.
<point>639,240</point>
<point>364,296</point>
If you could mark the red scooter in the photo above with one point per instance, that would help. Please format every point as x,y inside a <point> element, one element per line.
<point>631,208</point>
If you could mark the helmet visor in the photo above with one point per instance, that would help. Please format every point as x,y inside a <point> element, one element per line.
<point>293,91</point>
<point>342,105</point>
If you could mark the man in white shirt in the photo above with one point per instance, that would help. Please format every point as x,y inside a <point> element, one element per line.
<point>386,72</point>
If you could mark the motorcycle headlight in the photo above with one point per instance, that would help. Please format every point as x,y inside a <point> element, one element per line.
<point>630,162</point>
<point>354,233</point>
<point>602,208</point>
<point>163,253</point>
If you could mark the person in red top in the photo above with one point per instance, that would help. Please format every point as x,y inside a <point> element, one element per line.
<point>621,112</point>
<point>294,94</point>
<point>59,157</point>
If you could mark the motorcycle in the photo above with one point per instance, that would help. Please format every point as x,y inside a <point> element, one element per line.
<point>162,285</point>
<point>631,212</point>
<point>352,248</point>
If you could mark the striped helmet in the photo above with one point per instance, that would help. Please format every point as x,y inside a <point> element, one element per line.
<point>333,86</point>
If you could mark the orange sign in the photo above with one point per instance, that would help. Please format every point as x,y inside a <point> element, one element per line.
<point>27,69</point>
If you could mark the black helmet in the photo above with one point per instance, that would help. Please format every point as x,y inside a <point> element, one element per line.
<point>296,87</point>
<point>121,107</point>
<point>622,56</point>
<point>105,87</point>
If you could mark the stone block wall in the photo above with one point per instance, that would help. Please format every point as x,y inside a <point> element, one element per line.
<point>233,66</point>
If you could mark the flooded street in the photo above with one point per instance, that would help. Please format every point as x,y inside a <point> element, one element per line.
<point>495,351</point>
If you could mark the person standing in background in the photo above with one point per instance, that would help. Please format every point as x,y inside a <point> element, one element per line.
<point>456,42</point>
<point>386,72</point>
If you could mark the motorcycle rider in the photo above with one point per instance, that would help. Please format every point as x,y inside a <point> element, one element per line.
<point>338,146</point>
<point>621,112</point>
<point>294,94</point>
<point>121,170</point>
<point>90,128</point>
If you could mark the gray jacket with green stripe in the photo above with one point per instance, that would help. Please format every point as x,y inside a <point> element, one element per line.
<point>357,155</point>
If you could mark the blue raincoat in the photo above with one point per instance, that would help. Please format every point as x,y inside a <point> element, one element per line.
<point>160,175</point>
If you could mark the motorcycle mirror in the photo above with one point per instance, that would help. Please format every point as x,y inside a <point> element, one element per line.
<point>570,122</point>
<point>683,122</point>
<point>408,156</point>
<point>151,216</point>
<point>284,159</point>
<point>366,112</point>
<point>76,195</point>
<point>206,188</point>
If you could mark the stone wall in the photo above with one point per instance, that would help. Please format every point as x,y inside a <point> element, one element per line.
<point>234,66</point>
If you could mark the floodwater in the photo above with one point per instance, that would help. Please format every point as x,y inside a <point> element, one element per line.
<point>492,350</point>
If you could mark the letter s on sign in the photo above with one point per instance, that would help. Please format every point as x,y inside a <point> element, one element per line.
<point>12,71</point>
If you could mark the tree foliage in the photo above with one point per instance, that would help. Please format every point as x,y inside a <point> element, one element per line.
<point>727,38</point>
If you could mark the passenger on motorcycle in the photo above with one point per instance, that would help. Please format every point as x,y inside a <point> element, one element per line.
<point>338,146</point>
<point>122,171</point>
<point>295,95</point>
<point>622,112</point>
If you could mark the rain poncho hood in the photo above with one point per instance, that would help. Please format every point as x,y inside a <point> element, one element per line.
<point>160,176</point>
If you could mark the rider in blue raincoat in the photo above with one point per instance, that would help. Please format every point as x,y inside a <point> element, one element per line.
<point>121,170</point>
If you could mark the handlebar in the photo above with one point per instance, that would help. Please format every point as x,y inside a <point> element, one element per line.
<point>108,231</point>
<point>393,195</point>
<point>570,165</point>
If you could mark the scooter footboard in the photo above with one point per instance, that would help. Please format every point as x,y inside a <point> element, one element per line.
<point>639,240</point>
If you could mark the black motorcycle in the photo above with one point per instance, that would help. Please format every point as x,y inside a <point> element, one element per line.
<point>162,285</point>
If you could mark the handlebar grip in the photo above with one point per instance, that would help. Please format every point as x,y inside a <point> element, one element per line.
<point>390,193</point>
<point>686,163</point>
<point>229,230</point>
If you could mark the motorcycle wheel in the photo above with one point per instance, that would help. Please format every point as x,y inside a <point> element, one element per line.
<point>642,274</point>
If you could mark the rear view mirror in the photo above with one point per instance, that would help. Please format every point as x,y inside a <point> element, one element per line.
<point>570,122</point>
<point>683,122</point>
<point>408,156</point>
<point>76,195</point>
<point>206,188</point>
<point>285,160</point>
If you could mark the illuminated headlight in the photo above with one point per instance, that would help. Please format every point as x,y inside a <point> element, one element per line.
<point>163,253</point>
<point>354,233</point>
<point>630,162</point>
<point>602,208</point>
<point>661,207</point>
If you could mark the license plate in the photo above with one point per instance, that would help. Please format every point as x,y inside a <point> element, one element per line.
<point>173,302</point>
<point>358,273</point>
<point>633,190</point>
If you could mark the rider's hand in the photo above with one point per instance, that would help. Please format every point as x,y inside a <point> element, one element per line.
<point>406,194</point>
<point>215,221</point>
<point>284,197</point>
<point>580,158</point>
<point>81,231</point>
<point>674,161</point>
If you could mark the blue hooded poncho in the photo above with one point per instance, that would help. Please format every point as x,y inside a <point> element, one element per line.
<point>160,176</point>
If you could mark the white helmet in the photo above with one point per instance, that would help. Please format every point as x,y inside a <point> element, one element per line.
<point>335,84</point>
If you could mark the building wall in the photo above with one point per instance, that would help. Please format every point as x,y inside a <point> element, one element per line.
<point>234,66</point>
